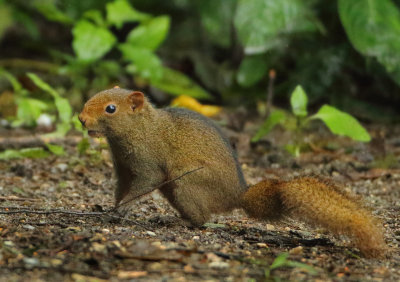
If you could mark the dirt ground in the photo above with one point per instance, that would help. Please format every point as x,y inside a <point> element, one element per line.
<point>150,245</point>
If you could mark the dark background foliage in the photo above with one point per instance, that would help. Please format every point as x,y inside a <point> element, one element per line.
<point>345,53</point>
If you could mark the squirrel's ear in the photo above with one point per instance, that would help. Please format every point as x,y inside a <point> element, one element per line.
<point>136,99</point>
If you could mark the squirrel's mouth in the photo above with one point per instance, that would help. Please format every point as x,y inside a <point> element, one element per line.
<point>94,133</point>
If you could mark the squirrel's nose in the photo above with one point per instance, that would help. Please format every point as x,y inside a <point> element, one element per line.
<point>82,120</point>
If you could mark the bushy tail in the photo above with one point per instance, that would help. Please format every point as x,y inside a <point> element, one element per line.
<point>317,202</point>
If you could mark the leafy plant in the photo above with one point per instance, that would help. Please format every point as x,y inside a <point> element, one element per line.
<point>373,28</point>
<point>29,108</point>
<point>94,38</point>
<point>339,123</point>
<point>283,261</point>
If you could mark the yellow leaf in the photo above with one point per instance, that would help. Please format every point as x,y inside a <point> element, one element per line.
<point>194,105</point>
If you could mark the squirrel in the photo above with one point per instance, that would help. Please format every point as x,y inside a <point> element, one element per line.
<point>151,148</point>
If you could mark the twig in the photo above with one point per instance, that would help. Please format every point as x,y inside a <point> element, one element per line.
<point>15,198</point>
<point>270,94</point>
<point>155,187</point>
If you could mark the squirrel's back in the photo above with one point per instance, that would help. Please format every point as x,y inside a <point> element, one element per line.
<point>201,124</point>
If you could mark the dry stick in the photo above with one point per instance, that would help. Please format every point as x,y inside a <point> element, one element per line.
<point>270,94</point>
<point>155,187</point>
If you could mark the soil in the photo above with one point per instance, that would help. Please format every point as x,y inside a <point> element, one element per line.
<point>152,245</point>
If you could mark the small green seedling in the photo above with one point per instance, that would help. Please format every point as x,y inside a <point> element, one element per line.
<point>338,122</point>
<point>283,261</point>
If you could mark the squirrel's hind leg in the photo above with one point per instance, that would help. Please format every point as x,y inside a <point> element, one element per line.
<point>191,208</point>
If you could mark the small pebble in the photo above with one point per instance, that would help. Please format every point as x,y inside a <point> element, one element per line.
<point>218,264</point>
<point>29,227</point>
<point>62,167</point>
<point>262,245</point>
<point>31,261</point>
<point>151,233</point>
<point>296,251</point>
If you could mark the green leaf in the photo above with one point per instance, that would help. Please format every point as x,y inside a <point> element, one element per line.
<point>279,261</point>
<point>373,28</point>
<point>95,16</point>
<point>176,83</point>
<point>28,111</point>
<point>14,82</point>
<point>306,267</point>
<point>56,149</point>
<point>145,63</point>
<point>32,153</point>
<point>83,146</point>
<point>251,70</point>
<point>150,34</point>
<point>216,18</point>
<point>341,123</point>
<point>120,12</point>
<point>62,105</point>
<point>274,118</point>
<point>293,149</point>
<point>298,101</point>
<point>91,42</point>
<point>51,12</point>
<point>263,24</point>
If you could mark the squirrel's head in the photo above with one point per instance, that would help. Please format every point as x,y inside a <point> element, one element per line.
<point>110,110</point>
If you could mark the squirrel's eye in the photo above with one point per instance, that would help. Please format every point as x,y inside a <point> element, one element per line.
<point>111,109</point>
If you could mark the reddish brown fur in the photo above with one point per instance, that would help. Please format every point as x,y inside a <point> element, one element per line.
<point>150,146</point>
<point>320,203</point>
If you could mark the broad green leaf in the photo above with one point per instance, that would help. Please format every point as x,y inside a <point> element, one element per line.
<point>150,34</point>
<point>263,24</point>
<point>83,145</point>
<point>176,83</point>
<point>298,101</point>
<point>56,149</point>
<point>216,18</point>
<point>64,109</point>
<point>293,149</point>
<point>28,111</point>
<point>120,12</point>
<point>10,154</point>
<point>274,118</point>
<point>77,124</point>
<point>145,63</point>
<point>95,16</point>
<point>373,28</point>
<point>306,267</point>
<point>341,123</point>
<point>62,105</point>
<point>32,153</point>
<point>251,70</point>
<point>14,82</point>
<point>51,12</point>
<point>279,261</point>
<point>91,42</point>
